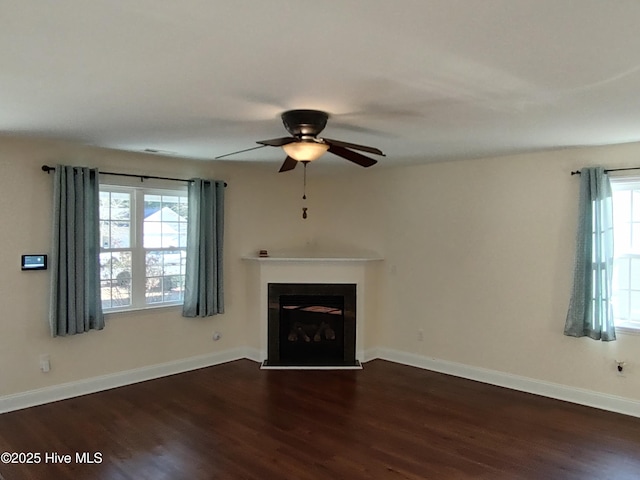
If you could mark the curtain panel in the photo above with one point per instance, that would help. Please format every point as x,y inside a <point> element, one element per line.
<point>204,286</point>
<point>75,305</point>
<point>590,311</point>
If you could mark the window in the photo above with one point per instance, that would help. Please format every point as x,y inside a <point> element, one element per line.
<point>143,240</point>
<point>626,265</point>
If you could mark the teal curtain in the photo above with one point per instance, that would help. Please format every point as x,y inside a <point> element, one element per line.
<point>204,287</point>
<point>75,305</point>
<point>590,311</point>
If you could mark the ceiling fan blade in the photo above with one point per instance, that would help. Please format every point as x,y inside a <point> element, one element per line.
<point>354,157</point>
<point>357,129</point>
<point>289,164</point>
<point>239,151</point>
<point>278,142</point>
<point>354,146</point>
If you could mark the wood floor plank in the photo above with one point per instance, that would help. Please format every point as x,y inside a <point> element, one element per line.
<point>387,421</point>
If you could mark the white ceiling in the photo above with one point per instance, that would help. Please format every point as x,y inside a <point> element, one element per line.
<point>423,80</point>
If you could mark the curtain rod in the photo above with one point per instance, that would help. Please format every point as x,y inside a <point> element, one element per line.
<point>46,168</point>
<point>577,172</point>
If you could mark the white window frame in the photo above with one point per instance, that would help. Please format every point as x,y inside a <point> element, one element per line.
<point>624,183</point>
<point>137,249</point>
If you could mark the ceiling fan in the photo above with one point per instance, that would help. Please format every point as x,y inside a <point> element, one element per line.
<point>304,145</point>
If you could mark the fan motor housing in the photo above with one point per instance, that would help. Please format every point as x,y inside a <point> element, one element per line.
<point>304,123</point>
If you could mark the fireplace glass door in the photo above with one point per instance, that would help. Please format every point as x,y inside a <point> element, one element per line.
<point>311,324</point>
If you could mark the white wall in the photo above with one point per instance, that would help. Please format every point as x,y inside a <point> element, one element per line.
<point>259,210</point>
<point>479,255</point>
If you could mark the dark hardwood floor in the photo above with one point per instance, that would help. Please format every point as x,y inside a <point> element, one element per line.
<point>388,421</point>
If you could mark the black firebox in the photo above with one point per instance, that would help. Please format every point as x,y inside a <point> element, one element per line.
<point>312,324</point>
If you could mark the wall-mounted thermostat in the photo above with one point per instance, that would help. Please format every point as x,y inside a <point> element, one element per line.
<point>34,262</point>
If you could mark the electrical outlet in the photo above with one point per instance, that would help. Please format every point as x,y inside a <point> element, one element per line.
<point>420,335</point>
<point>45,363</point>
<point>621,368</point>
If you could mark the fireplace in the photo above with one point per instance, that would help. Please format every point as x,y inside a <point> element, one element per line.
<point>311,324</point>
<point>361,271</point>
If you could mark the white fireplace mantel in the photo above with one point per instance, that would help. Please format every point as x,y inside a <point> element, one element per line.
<point>311,268</point>
<point>307,258</point>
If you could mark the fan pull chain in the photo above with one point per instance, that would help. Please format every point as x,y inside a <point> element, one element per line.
<point>304,184</point>
<point>304,190</point>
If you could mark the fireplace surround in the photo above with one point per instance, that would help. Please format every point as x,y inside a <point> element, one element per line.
<point>361,270</point>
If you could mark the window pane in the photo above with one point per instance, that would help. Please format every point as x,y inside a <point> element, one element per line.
<point>152,229</point>
<point>104,204</point>
<point>105,266</point>
<point>105,234</point>
<point>170,234</point>
<point>622,237</point>
<point>115,213</point>
<point>121,262</point>
<point>105,293</point>
<point>165,276</point>
<point>120,206</point>
<point>621,274</point>
<point>162,221</point>
<point>115,274</point>
<point>622,204</point>
<point>152,232</point>
<point>172,262</point>
<point>153,283</point>
<point>634,206</point>
<point>113,264</point>
<point>634,305</point>
<point>182,242</point>
<point>169,208</point>
<point>173,287</point>
<point>183,208</point>
<point>635,238</point>
<point>153,262</point>
<point>152,201</point>
<point>122,290</point>
<point>635,274</point>
<point>621,304</point>
<point>120,234</point>
<point>153,292</point>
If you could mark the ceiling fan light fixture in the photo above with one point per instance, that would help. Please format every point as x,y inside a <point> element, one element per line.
<point>305,151</point>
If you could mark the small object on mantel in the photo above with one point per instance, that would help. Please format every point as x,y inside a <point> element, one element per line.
<point>263,253</point>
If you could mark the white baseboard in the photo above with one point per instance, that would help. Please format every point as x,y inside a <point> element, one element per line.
<point>515,382</point>
<point>254,354</point>
<point>589,398</point>
<point>63,391</point>
<point>370,354</point>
